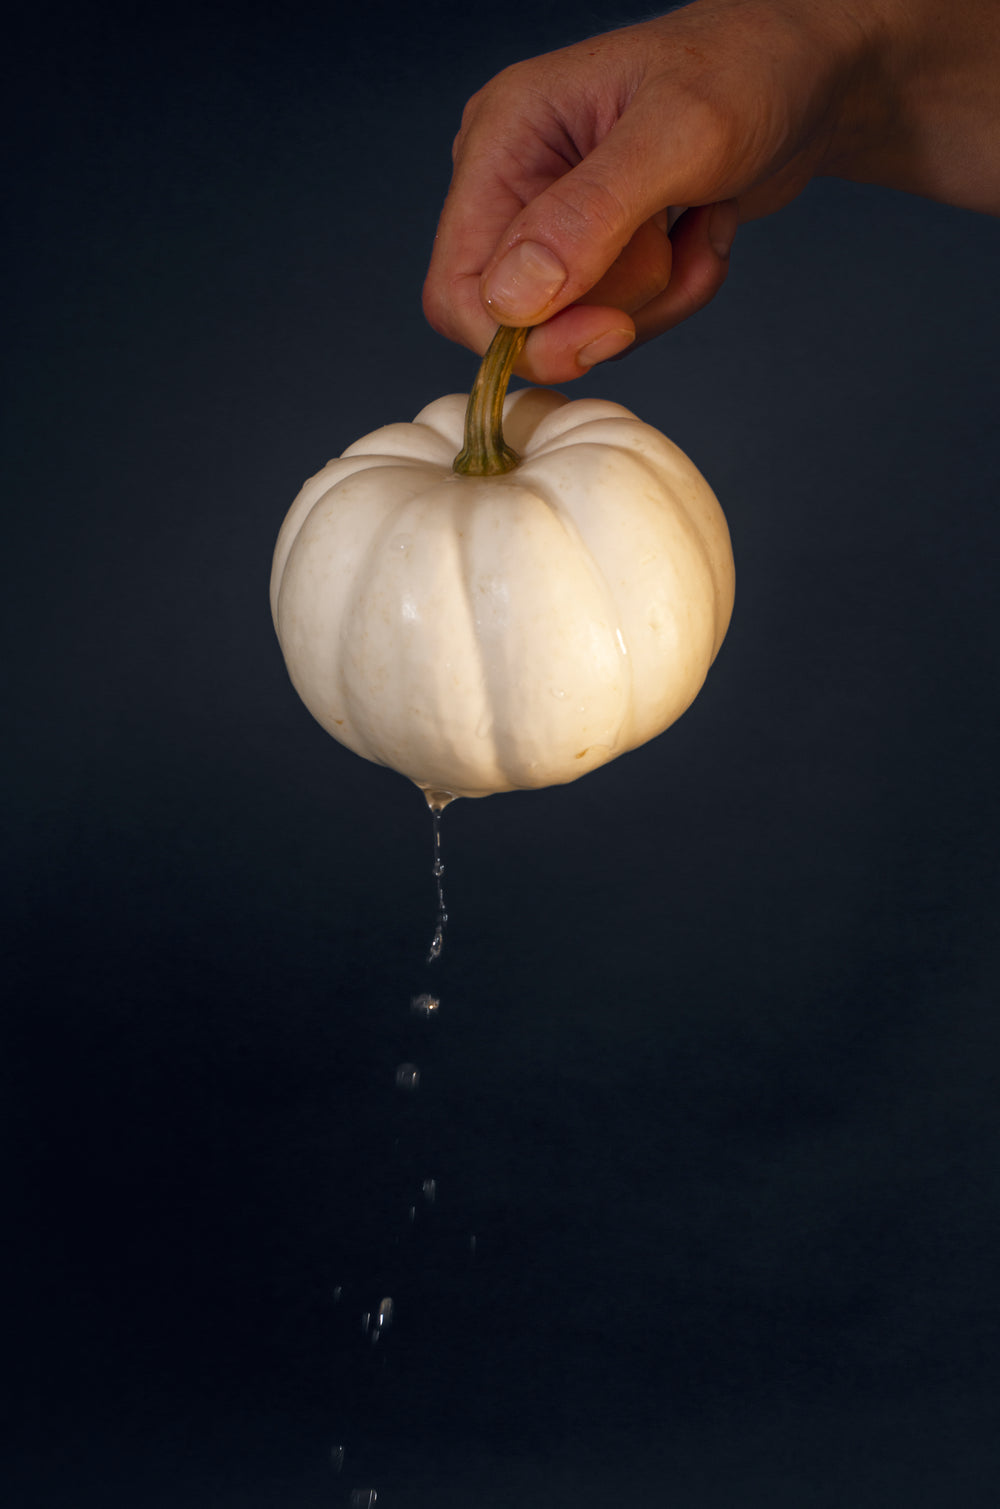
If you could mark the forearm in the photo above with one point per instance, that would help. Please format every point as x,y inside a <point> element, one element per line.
<point>923,114</point>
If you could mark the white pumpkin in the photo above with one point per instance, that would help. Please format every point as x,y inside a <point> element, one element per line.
<point>488,633</point>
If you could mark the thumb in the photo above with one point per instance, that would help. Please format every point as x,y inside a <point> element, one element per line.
<point>566,239</point>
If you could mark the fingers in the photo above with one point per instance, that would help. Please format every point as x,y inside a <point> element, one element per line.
<point>597,329</point>
<point>483,199</point>
<point>576,339</point>
<point>702,239</point>
<point>568,238</point>
<point>637,276</point>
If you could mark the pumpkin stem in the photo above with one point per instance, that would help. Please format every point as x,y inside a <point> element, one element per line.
<point>486,453</point>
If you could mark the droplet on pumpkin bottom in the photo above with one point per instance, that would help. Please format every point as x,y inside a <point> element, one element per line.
<point>437,801</point>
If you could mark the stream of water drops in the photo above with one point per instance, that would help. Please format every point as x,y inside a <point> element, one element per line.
<point>437,801</point>
<point>377,1317</point>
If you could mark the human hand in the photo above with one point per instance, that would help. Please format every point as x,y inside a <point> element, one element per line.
<point>567,165</point>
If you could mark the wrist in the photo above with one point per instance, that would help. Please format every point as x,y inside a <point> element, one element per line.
<point>920,105</point>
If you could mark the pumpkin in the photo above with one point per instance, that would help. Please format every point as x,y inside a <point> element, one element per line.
<point>511,618</point>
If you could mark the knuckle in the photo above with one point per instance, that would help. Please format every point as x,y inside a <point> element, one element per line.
<point>719,143</point>
<point>437,310</point>
<point>497,102</point>
<point>469,113</point>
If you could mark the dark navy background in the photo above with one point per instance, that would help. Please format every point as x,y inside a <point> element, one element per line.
<point>714,1079</point>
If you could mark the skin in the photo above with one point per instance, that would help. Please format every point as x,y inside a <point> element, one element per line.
<point>571,168</point>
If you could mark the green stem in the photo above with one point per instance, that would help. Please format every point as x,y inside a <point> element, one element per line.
<point>486,453</point>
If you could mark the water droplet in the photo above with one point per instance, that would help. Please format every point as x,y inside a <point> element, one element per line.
<point>425,1005</point>
<point>338,1294</point>
<point>380,1322</point>
<point>366,1323</point>
<point>429,1190</point>
<point>558,691</point>
<point>413,1212</point>
<point>407,1077</point>
<point>402,543</point>
<point>363,1498</point>
<point>337,1458</point>
<point>621,641</point>
<point>438,870</point>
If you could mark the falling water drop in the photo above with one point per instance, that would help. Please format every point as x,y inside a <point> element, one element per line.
<point>337,1458</point>
<point>429,1190</point>
<point>407,1077</point>
<point>363,1498</point>
<point>425,1005</point>
<point>380,1322</point>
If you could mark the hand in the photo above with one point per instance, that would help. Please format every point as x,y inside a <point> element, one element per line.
<point>567,166</point>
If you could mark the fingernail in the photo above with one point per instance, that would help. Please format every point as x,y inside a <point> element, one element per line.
<point>722,224</point>
<point>524,282</point>
<point>611,343</point>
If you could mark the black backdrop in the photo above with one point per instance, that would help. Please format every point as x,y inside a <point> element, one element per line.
<point>713,1081</point>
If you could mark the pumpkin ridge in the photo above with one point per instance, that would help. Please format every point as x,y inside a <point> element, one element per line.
<point>351,613</point>
<point>698,526</point>
<point>465,576</point>
<point>570,527</point>
<point>661,476</point>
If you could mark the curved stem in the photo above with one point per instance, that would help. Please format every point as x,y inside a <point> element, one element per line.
<point>485,453</point>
